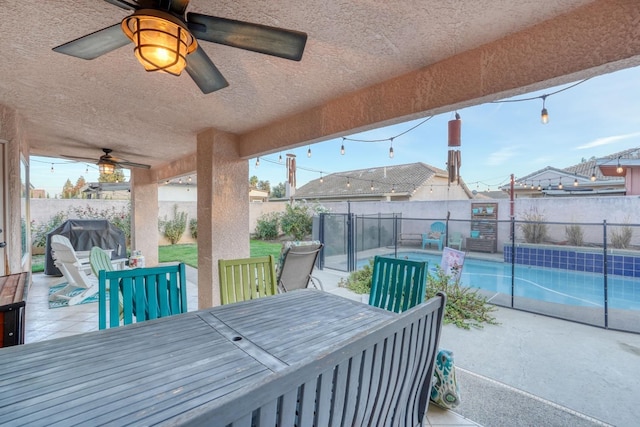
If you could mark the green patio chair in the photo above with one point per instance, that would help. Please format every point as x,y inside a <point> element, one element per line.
<point>398,284</point>
<point>141,294</point>
<point>99,260</point>
<point>246,278</point>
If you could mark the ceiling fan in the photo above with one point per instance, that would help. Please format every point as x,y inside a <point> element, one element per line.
<point>107,163</point>
<point>165,39</point>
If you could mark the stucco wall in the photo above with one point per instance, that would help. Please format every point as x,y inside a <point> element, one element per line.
<point>585,210</point>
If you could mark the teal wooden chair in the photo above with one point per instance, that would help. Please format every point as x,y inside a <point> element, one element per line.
<point>435,235</point>
<point>141,294</point>
<point>398,284</point>
<point>247,278</point>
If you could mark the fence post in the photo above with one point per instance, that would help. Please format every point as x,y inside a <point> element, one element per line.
<point>513,259</point>
<point>605,268</point>
<point>321,222</point>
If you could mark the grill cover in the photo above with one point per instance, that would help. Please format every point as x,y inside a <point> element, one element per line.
<point>85,234</point>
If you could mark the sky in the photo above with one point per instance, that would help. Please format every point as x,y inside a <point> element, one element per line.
<point>598,117</point>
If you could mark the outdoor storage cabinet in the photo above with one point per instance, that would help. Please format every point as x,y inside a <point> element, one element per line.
<point>13,296</point>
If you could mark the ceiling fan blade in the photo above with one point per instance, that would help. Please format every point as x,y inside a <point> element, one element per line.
<point>80,159</point>
<point>204,72</point>
<point>178,6</point>
<point>95,44</point>
<point>132,164</point>
<point>274,41</point>
<point>123,4</point>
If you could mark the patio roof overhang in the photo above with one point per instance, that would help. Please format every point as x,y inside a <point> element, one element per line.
<point>364,66</point>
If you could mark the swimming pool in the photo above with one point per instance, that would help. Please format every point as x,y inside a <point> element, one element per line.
<point>546,284</point>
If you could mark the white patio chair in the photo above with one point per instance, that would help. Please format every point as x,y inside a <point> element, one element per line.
<point>77,272</point>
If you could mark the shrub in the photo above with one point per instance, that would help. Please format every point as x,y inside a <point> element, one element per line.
<point>466,308</point>
<point>39,231</point>
<point>267,226</point>
<point>575,236</point>
<point>297,221</point>
<point>534,229</point>
<point>621,237</point>
<point>174,228</point>
<point>193,228</point>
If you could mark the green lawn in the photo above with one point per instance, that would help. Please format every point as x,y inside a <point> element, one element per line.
<point>187,253</point>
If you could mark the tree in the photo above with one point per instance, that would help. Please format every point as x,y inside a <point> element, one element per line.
<point>278,191</point>
<point>67,190</point>
<point>117,176</point>
<point>264,186</point>
<point>81,182</point>
<point>253,182</point>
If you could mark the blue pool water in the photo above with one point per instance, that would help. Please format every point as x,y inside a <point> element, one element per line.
<point>545,284</point>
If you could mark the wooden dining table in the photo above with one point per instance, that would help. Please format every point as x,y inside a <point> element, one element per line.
<point>155,372</point>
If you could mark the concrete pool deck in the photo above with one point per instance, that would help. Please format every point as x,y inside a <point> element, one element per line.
<point>592,371</point>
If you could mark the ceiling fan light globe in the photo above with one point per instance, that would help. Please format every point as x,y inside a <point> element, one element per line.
<point>161,41</point>
<point>106,167</point>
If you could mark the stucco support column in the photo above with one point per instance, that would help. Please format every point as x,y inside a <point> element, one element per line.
<point>144,215</point>
<point>223,209</point>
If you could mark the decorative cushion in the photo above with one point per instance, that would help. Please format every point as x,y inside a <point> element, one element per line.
<point>435,235</point>
<point>445,391</point>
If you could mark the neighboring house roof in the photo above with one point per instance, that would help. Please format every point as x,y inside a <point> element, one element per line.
<point>549,178</point>
<point>373,183</point>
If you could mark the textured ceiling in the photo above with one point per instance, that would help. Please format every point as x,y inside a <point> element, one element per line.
<point>73,106</point>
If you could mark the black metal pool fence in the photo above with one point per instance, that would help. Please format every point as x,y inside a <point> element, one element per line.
<point>608,251</point>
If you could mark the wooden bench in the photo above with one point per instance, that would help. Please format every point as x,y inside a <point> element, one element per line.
<point>13,297</point>
<point>381,378</point>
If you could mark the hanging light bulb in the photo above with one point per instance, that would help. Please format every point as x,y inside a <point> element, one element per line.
<point>180,181</point>
<point>431,189</point>
<point>544,114</point>
<point>619,168</point>
<point>348,183</point>
<point>342,147</point>
<point>280,158</point>
<point>391,149</point>
<point>309,152</point>
<point>86,169</point>
<point>539,187</point>
<point>560,184</point>
<point>189,179</point>
<point>321,179</point>
<point>393,188</point>
<point>593,177</point>
<point>52,170</point>
<point>258,162</point>
<point>166,182</point>
<point>575,182</point>
<point>371,185</point>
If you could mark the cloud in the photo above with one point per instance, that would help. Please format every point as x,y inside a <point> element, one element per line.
<point>607,140</point>
<point>501,156</point>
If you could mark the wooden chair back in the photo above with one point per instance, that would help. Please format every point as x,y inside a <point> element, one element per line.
<point>141,294</point>
<point>246,278</point>
<point>99,260</point>
<point>381,378</point>
<point>397,284</point>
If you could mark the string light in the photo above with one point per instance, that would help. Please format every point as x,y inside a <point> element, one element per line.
<point>86,169</point>
<point>371,185</point>
<point>342,147</point>
<point>180,181</point>
<point>321,179</point>
<point>258,162</point>
<point>393,188</point>
<point>52,170</point>
<point>539,187</point>
<point>544,114</point>
<point>280,158</point>
<point>575,182</point>
<point>560,184</point>
<point>593,176</point>
<point>309,152</point>
<point>348,183</point>
<point>391,149</point>
<point>619,168</point>
<point>189,179</point>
